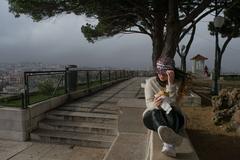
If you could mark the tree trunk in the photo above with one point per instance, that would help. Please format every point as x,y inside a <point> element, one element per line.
<point>220,54</point>
<point>171,42</point>
<point>219,65</point>
<point>183,63</point>
<point>173,30</point>
<point>183,54</point>
<point>157,38</point>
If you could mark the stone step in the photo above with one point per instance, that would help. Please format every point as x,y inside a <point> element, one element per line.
<point>90,109</point>
<point>75,138</point>
<point>82,127</point>
<point>82,116</point>
<point>87,104</point>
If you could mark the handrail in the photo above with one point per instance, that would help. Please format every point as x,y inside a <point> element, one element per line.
<point>68,78</point>
<point>12,95</point>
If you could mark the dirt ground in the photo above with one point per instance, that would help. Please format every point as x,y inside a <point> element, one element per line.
<point>211,142</point>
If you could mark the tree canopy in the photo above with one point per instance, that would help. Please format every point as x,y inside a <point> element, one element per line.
<point>164,21</point>
<point>229,30</point>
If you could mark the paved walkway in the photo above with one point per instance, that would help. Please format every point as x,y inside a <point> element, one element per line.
<point>10,150</point>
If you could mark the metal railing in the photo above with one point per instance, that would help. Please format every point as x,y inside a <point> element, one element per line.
<point>42,85</point>
<point>12,99</point>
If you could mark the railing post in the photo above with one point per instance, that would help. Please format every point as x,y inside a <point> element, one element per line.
<point>88,82</point>
<point>100,76</point>
<point>109,75</point>
<point>26,90</point>
<point>120,74</point>
<point>66,80</point>
<point>22,98</point>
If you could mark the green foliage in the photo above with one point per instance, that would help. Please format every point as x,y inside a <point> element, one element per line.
<point>164,21</point>
<point>46,87</point>
<point>231,27</point>
<point>114,16</point>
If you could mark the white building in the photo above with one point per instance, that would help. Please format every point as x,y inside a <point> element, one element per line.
<point>198,64</point>
<point>11,89</point>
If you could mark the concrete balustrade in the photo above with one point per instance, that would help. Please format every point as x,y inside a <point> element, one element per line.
<point>16,123</point>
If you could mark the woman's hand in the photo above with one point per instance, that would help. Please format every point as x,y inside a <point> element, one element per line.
<point>158,101</point>
<point>171,76</point>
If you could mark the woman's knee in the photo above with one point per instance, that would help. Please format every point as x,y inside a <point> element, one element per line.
<point>147,120</point>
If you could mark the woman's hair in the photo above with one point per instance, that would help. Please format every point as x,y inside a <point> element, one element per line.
<point>179,76</point>
<point>185,86</point>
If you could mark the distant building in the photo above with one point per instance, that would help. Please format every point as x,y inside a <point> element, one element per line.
<point>11,89</point>
<point>198,64</point>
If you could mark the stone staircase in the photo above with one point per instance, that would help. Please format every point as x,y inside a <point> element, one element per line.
<point>71,124</point>
<point>90,121</point>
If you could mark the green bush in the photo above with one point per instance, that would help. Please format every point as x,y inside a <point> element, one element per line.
<point>46,87</point>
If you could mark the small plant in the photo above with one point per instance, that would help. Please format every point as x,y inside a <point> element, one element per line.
<point>46,87</point>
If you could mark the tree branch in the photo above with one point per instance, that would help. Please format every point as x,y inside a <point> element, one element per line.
<point>190,40</point>
<point>132,31</point>
<point>195,22</point>
<point>141,28</point>
<point>225,45</point>
<point>178,51</point>
<point>142,10</point>
<point>195,13</point>
<point>149,25</point>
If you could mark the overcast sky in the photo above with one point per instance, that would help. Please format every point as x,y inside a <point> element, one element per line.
<point>59,40</point>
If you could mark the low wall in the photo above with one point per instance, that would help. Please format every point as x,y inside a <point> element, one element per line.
<point>230,77</point>
<point>132,141</point>
<point>16,123</point>
<point>193,100</point>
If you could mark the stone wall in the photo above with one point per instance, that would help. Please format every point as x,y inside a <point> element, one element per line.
<point>16,123</point>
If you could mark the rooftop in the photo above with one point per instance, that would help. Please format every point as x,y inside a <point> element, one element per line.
<point>199,57</point>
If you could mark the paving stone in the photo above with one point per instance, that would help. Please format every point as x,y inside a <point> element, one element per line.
<point>129,147</point>
<point>59,152</point>
<point>11,148</point>
<point>82,153</point>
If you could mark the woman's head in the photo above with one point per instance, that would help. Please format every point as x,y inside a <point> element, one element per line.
<point>163,64</point>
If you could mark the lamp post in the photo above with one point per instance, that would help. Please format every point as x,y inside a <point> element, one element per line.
<point>218,23</point>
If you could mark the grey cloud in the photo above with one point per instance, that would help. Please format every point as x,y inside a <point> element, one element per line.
<point>59,40</point>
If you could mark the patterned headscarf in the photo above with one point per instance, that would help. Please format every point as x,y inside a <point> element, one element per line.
<point>164,64</point>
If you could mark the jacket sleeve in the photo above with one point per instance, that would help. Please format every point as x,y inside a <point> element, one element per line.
<point>172,89</point>
<point>149,97</point>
